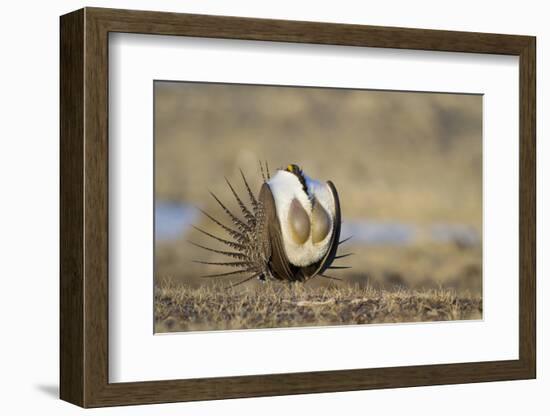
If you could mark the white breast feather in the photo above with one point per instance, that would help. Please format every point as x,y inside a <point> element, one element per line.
<point>285,186</point>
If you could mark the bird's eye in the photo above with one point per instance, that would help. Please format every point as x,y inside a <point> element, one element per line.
<point>320,223</point>
<point>299,222</point>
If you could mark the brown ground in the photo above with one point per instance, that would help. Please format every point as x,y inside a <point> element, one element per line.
<point>214,307</point>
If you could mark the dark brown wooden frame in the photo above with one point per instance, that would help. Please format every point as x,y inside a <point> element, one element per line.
<point>84,207</point>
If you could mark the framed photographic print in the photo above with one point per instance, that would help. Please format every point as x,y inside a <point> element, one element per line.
<point>255,207</point>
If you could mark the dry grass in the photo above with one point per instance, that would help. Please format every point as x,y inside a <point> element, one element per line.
<point>179,307</point>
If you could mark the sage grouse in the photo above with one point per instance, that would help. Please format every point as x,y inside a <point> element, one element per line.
<point>290,232</point>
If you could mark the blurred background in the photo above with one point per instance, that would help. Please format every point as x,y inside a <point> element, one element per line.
<point>407,166</point>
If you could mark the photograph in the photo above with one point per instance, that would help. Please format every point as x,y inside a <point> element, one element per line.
<point>303,206</point>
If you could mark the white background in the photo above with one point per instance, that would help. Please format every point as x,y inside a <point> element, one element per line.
<point>29,209</point>
<point>136,355</point>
